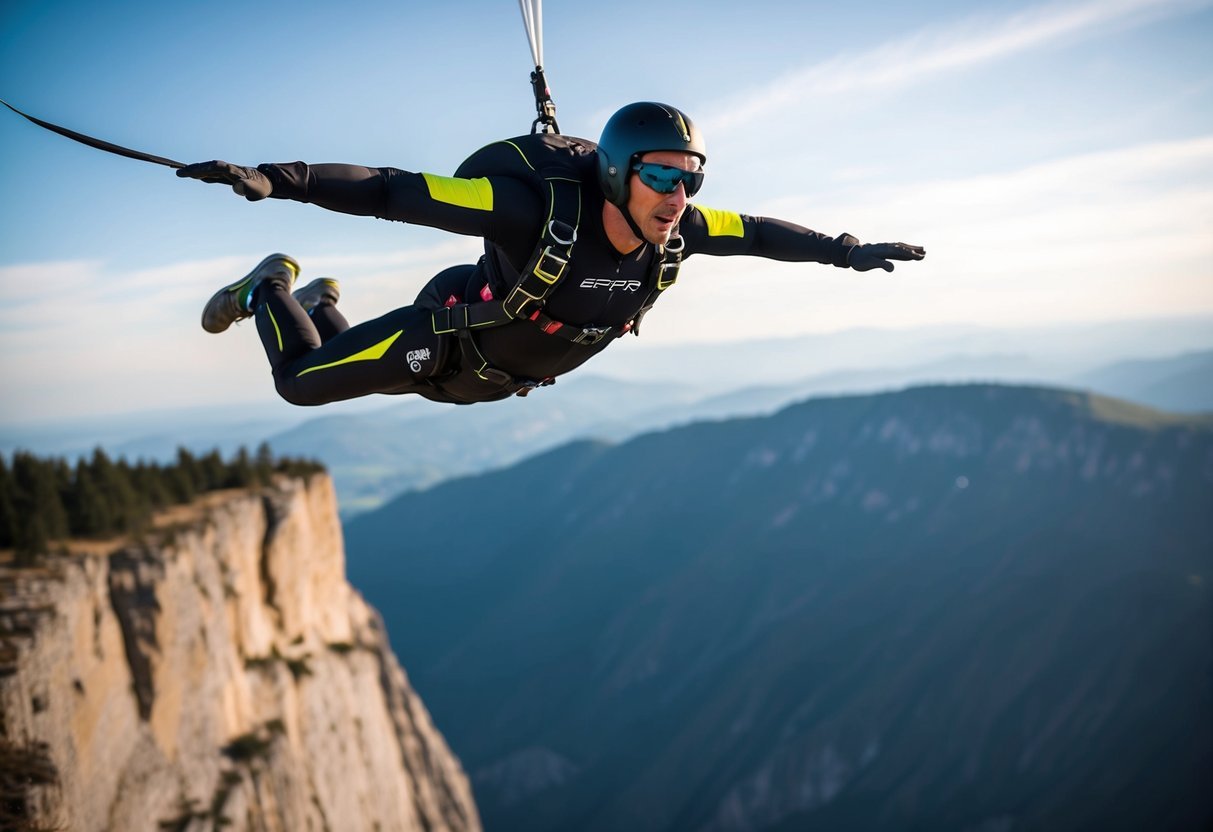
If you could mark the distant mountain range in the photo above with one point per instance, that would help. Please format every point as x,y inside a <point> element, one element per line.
<point>1060,350</point>
<point>1183,384</point>
<point>376,451</point>
<point>975,607</point>
<point>376,456</point>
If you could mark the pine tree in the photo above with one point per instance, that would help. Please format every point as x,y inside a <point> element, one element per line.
<point>64,476</point>
<point>32,541</point>
<point>138,505</point>
<point>263,464</point>
<point>240,470</point>
<point>8,512</point>
<point>192,471</point>
<point>179,484</point>
<point>149,480</point>
<point>89,510</point>
<point>214,472</point>
<point>121,500</point>
<point>39,507</point>
<point>183,478</point>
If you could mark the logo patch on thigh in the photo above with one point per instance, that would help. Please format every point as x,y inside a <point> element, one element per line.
<point>415,357</point>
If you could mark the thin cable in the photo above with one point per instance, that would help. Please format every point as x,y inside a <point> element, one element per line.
<point>532,21</point>
<point>539,31</point>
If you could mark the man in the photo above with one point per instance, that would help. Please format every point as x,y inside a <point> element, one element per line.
<point>580,239</point>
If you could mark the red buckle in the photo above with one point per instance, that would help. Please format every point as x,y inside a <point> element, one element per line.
<point>549,328</point>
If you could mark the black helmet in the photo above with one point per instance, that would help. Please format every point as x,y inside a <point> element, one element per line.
<point>636,129</point>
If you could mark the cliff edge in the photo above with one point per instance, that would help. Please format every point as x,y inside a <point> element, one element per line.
<point>219,674</point>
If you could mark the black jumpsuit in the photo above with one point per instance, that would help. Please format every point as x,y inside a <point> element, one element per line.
<point>320,358</point>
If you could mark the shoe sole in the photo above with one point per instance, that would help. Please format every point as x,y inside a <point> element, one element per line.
<point>217,298</point>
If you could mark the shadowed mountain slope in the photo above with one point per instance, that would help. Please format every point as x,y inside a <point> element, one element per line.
<point>973,607</point>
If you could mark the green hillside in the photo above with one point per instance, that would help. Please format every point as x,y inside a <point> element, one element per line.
<point>972,607</point>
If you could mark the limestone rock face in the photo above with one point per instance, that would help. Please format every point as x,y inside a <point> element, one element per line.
<point>222,674</point>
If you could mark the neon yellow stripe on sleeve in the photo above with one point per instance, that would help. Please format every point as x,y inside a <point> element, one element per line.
<point>722,223</point>
<point>466,193</point>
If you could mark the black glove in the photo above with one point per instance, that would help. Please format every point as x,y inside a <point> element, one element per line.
<point>863,258</point>
<point>250,183</point>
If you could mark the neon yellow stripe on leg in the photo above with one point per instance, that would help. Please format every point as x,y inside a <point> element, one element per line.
<point>372,353</point>
<point>277,331</point>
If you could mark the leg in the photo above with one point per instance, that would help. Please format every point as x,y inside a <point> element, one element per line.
<point>328,321</point>
<point>395,353</point>
<point>319,299</point>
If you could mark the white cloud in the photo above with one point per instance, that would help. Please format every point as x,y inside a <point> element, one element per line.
<point>32,282</point>
<point>86,336</point>
<point>941,49</point>
<point>1120,234</point>
<point>1124,233</point>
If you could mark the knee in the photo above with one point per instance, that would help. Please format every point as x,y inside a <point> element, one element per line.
<point>295,393</point>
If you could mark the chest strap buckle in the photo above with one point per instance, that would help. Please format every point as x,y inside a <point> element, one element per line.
<point>592,335</point>
<point>550,267</point>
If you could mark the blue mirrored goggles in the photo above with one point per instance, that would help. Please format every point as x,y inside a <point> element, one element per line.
<point>664,179</point>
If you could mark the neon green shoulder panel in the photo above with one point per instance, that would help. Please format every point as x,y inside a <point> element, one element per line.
<point>466,193</point>
<point>721,223</point>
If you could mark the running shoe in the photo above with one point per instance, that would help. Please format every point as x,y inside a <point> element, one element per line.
<point>321,290</point>
<point>231,303</point>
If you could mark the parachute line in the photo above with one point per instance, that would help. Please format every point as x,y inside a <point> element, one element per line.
<point>532,20</point>
<point>545,108</point>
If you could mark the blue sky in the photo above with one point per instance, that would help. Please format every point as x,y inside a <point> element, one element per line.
<point>1056,159</point>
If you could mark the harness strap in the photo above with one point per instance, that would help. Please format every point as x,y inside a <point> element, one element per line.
<point>576,334</point>
<point>476,362</point>
<point>460,319</point>
<point>463,319</point>
<point>544,271</point>
<point>537,280</point>
<point>469,316</point>
<point>666,273</point>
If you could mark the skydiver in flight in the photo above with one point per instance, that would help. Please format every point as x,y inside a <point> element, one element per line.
<point>580,239</point>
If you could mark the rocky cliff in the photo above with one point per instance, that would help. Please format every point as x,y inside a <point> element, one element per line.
<point>220,673</point>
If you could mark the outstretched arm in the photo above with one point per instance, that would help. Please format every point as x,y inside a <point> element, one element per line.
<point>710,231</point>
<point>494,208</point>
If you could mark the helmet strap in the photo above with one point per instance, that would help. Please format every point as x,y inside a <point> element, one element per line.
<point>627,215</point>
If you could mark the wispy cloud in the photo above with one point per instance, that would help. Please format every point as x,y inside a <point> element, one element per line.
<point>938,50</point>
<point>84,334</point>
<point>1116,234</point>
<point>81,296</point>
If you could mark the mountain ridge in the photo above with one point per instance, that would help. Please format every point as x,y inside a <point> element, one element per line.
<point>822,617</point>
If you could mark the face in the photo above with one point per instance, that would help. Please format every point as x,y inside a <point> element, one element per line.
<point>658,214</point>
